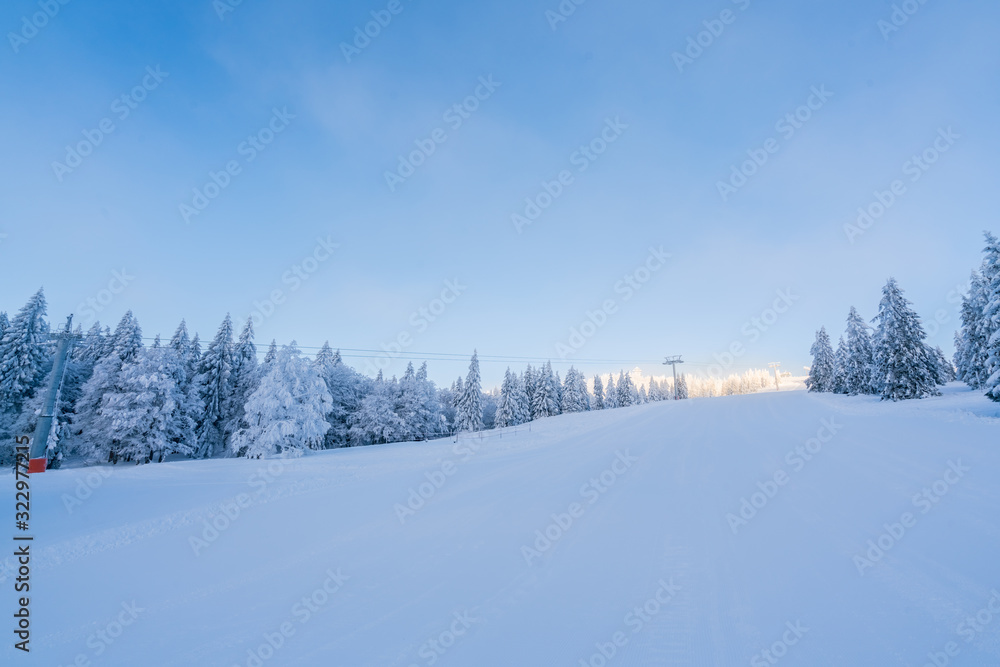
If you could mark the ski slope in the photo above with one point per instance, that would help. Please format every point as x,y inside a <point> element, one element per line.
<point>641,565</point>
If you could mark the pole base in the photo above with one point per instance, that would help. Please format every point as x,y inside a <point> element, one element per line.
<point>37,465</point>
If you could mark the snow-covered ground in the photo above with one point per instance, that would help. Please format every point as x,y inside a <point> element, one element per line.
<point>647,559</point>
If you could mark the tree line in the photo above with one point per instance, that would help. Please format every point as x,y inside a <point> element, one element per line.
<point>120,400</point>
<point>892,360</point>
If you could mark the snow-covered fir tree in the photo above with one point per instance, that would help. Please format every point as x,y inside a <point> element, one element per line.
<point>822,370</point>
<point>418,405</point>
<point>610,393</point>
<point>625,391</point>
<point>528,382</point>
<point>126,341</point>
<point>682,387</point>
<point>24,352</point>
<point>469,410</point>
<point>271,355</point>
<point>839,385</point>
<point>903,365</point>
<point>139,420</point>
<point>545,400</point>
<point>971,354</point>
<point>655,393</point>
<point>286,413</point>
<point>377,419</point>
<point>859,360</point>
<point>507,408</point>
<point>244,377</point>
<point>598,393</point>
<point>215,388</point>
<point>522,404</point>
<point>572,399</point>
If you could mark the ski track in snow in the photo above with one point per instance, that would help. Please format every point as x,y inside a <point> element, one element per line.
<point>662,519</point>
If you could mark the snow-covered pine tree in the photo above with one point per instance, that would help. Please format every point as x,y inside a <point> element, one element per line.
<point>991,315</point>
<point>215,387</point>
<point>528,381</point>
<point>598,393</point>
<point>581,391</point>
<point>822,370</point>
<point>244,377</point>
<point>507,408</point>
<point>126,341</point>
<point>654,393</point>
<point>902,364</point>
<point>682,386</point>
<point>557,393</point>
<point>859,362</point>
<point>286,413</point>
<point>180,342</point>
<point>839,385</point>
<point>610,393</point>
<point>545,402</point>
<point>137,420</point>
<point>625,389</point>
<point>24,352</point>
<point>571,401</point>
<point>272,354</point>
<point>347,387</point>
<point>377,418</point>
<point>469,415</point>
<point>947,370</point>
<point>521,403</point>
<point>976,332</point>
<point>418,406</point>
<point>4,323</point>
<point>642,395</point>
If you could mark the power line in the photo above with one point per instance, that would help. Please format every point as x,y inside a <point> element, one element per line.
<point>356,353</point>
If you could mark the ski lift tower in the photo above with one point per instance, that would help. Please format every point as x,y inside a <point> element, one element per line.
<point>673,361</point>
<point>37,460</point>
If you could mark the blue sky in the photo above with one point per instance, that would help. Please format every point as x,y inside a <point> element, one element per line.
<point>322,178</point>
